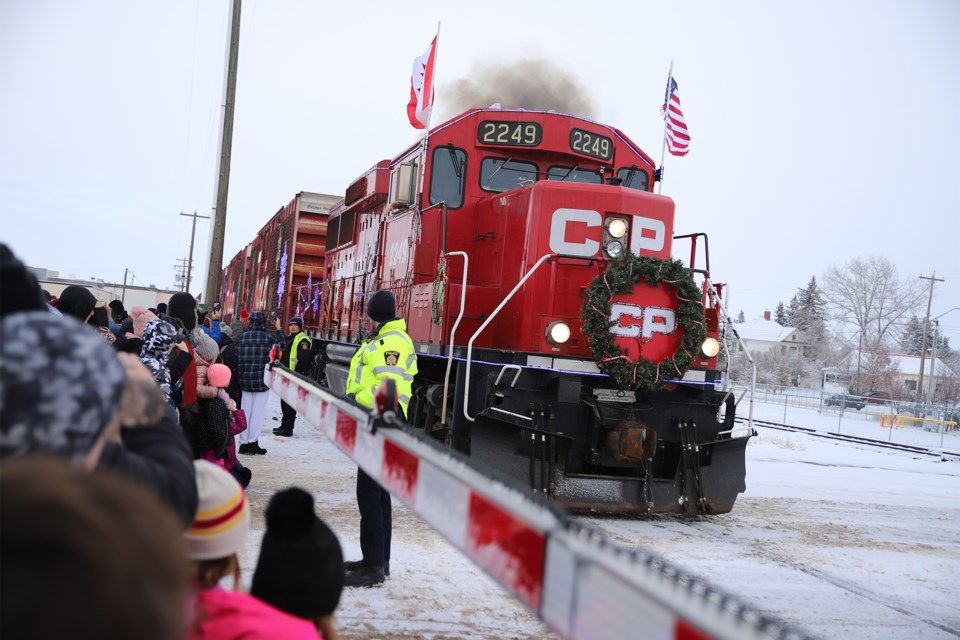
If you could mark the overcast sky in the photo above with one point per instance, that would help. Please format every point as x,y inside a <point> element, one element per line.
<point>821,131</point>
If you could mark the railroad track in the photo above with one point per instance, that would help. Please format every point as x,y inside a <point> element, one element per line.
<point>880,444</point>
<point>831,562</point>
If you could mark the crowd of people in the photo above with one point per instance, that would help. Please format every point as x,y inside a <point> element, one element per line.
<point>122,497</point>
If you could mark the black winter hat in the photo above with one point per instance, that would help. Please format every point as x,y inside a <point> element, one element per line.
<point>300,569</point>
<point>297,321</point>
<point>382,306</point>
<point>19,290</point>
<point>183,307</point>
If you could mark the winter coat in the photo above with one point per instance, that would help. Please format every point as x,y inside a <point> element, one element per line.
<point>296,352</point>
<point>228,356</point>
<point>204,390</point>
<point>232,615</point>
<point>388,354</point>
<point>238,424</point>
<point>253,353</point>
<point>158,458</point>
<point>213,331</point>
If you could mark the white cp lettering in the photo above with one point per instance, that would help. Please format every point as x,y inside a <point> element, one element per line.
<point>640,241</point>
<point>558,232</point>
<point>652,320</point>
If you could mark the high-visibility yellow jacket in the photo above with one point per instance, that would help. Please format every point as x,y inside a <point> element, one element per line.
<point>294,348</point>
<point>389,354</point>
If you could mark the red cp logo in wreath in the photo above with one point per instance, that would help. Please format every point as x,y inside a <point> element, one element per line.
<point>646,322</point>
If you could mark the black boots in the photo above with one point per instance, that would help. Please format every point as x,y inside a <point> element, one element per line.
<point>353,565</point>
<point>251,448</point>
<point>284,432</point>
<point>360,575</point>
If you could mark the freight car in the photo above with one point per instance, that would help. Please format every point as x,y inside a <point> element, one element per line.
<point>558,340</point>
<point>275,272</point>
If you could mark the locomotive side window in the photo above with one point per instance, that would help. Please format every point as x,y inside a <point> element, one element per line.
<point>573,174</point>
<point>448,176</point>
<point>634,178</point>
<point>503,174</point>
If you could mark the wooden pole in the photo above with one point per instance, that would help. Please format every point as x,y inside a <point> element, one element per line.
<point>215,262</point>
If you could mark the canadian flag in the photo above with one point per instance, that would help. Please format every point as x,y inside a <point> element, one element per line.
<point>421,88</point>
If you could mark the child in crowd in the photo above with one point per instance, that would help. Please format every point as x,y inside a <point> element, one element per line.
<point>300,568</point>
<point>217,534</point>
<point>222,421</point>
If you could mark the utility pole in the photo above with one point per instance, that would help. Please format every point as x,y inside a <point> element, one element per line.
<point>123,295</point>
<point>926,327</point>
<point>193,233</point>
<point>212,290</point>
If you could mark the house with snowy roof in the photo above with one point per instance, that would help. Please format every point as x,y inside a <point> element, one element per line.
<point>907,369</point>
<point>765,334</point>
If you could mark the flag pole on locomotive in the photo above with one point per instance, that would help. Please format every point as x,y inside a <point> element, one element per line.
<point>676,137</point>
<point>420,107</point>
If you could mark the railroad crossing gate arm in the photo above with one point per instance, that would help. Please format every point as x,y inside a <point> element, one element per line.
<point>575,580</point>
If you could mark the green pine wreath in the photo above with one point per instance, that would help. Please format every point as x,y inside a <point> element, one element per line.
<point>619,278</point>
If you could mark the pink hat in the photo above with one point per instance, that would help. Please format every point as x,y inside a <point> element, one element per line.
<point>137,310</point>
<point>218,375</point>
<point>141,321</point>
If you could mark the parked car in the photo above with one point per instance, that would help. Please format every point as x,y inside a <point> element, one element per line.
<point>843,400</point>
<point>877,397</point>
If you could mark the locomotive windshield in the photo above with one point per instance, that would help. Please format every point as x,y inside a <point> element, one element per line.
<point>574,174</point>
<point>633,178</point>
<point>503,174</point>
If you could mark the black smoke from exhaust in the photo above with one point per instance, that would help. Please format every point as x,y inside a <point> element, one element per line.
<point>530,83</point>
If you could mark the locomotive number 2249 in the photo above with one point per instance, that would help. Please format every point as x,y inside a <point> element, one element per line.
<point>518,134</point>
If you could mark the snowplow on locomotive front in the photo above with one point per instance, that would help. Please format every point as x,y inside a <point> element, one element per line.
<point>558,342</point>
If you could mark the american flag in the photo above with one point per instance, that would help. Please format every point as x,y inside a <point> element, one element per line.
<point>678,138</point>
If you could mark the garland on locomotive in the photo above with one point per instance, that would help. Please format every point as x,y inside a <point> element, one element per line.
<point>558,341</point>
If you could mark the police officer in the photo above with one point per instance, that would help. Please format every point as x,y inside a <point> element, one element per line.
<point>296,356</point>
<point>388,354</point>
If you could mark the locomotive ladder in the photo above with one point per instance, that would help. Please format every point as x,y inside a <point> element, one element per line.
<point>576,581</point>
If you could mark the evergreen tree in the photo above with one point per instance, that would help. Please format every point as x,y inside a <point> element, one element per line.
<point>781,315</point>
<point>911,340</point>
<point>808,313</point>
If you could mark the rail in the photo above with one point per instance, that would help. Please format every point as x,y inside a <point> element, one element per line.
<point>453,331</point>
<point>503,303</point>
<point>746,352</point>
<point>571,577</point>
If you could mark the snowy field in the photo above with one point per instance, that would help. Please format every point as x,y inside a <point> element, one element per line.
<point>838,539</point>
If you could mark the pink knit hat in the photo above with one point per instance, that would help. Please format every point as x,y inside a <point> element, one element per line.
<point>141,321</point>
<point>218,375</point>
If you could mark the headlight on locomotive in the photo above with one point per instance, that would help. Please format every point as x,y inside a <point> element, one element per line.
<point>615,236</point>
<point>558,332</point>
<point>613,248</point>
<point>616,227</point>
<point>710,347</point>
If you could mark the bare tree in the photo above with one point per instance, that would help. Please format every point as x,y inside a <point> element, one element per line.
<point>868,293</point>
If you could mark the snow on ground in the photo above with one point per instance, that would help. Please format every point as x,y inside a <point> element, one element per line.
<point>836,538</point>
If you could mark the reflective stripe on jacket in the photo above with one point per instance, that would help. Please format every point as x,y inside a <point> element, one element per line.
<point>389,354</point>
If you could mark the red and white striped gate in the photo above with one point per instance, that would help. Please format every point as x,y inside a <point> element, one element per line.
<point>580,584</point>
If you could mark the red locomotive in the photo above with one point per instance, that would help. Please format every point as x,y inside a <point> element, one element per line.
<point>557,340</point>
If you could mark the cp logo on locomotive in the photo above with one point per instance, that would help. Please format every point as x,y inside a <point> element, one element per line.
<point>577,232</point>
<point>651,320</point>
